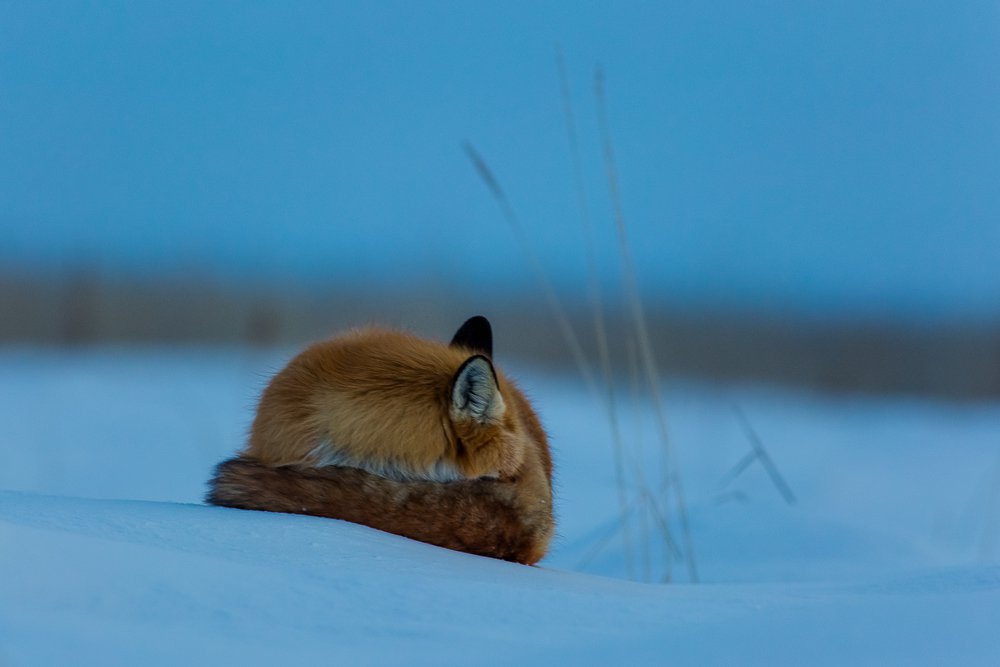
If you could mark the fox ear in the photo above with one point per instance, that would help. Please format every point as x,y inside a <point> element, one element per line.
<point>475,393</point>
<point>476,335</point>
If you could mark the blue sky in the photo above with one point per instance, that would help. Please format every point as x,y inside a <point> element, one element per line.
<point>829,157</point>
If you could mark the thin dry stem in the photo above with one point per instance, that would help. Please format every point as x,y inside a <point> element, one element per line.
<point>486,174</point>
<point>738,469</point>
<point>760,453</point>
<point>639,323</point>
<point>597,309</point>
<point>645,492</point>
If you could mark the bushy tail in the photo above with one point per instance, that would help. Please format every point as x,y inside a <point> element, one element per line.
<point>500,519</point>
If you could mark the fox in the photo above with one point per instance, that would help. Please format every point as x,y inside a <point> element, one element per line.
<point>411,436</point>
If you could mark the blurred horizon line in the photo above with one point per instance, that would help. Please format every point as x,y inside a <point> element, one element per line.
<point>947,359</point>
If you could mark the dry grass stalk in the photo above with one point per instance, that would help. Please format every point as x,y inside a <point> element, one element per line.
<point>568,333</point>
<point>597,309</point>
<point>671,477</point>
<point>759,453</point>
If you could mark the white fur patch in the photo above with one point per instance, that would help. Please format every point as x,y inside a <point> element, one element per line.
<point>325,454</point>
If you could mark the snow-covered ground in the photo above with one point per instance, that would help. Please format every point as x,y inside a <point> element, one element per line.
<point>889,554</point>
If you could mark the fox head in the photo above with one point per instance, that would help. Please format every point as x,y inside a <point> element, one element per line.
<point>399,406</point>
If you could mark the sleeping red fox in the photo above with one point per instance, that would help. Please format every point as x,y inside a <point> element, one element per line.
<point>402,434</point>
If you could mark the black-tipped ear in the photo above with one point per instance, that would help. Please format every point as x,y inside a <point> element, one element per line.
<point>476,335</point>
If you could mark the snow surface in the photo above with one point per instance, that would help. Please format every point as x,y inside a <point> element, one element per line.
<point>889,555</point>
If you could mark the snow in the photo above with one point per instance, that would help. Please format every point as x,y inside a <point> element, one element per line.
<point>888,555</point>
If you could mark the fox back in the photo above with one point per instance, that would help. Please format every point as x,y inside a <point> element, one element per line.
<point>400,407</point>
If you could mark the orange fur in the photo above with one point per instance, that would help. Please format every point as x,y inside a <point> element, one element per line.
<point>399,433</point>
<point>383,398</point>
